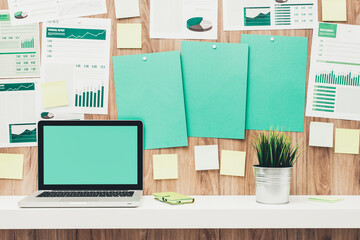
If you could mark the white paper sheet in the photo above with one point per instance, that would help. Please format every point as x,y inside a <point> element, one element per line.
<point>127,8</point>
<point>183,19</point>
<point>78,51</point>
<point>32,11</point>
<point>19,49</point>
<point>334,79</point>
<point>20,105</point>
<point>269,14</point>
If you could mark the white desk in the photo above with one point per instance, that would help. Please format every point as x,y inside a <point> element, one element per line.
<point>206,212</point>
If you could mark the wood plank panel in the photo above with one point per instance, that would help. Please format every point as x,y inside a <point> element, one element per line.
<point>318,171</point>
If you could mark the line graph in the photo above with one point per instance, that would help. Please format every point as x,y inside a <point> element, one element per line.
<point>83,36</point>
<point>13,87</point>
<point>76,33</point>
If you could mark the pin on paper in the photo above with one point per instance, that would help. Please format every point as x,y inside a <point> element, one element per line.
<point>272,39</point>
<point>144,58</point>
<point>214,46</point>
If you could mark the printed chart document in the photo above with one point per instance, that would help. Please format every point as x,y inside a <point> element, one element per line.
<point>18,113</point>
<point>32,11</point>
<point>334,80</point>
<point>78,51</point>
<point>21,110</point>
<point>183,19</point>
<point>269,14</point>
<point>19,49</point>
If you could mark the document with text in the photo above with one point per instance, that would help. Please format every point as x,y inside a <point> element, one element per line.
<point>19,49</point>
<point>32,11</point>
<point>334,79</point>
<point>269,14</point>
<point>78,52</point>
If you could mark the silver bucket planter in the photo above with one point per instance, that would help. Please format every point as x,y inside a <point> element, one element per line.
<point>272,184</point>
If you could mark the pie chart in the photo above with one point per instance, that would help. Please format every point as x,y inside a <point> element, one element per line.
<point>199,24</point>
<point>20,15</point>
<point>47,115</point>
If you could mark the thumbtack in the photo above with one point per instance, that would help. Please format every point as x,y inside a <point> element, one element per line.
<point>144,58</point>
<point>272,39</point>
<point>214,46</point>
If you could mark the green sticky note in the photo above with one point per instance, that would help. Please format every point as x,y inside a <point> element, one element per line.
<point>149,87</point>
<point>215,83</point>
<point>276,84</point>
<point>325,199</point>
<point>165,166</point>
<point>347,141</point>
<point>54,94</point>
<point>334,10</point>
<point>11,166</point>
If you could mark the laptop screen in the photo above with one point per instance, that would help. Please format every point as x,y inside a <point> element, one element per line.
<point>90,155</point>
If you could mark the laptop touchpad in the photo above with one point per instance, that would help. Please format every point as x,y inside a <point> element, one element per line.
<point>79,200</point>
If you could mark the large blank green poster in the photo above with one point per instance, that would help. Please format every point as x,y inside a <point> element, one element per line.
<point>215,79</point>
<point>276,85</point>
<point>149,87</point>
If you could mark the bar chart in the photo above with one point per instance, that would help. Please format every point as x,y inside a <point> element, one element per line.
<point>27,43</point>
<point>90,97</point>
<point>338,79</point>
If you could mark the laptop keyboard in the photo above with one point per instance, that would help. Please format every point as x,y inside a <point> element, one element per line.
<point>86,194</point>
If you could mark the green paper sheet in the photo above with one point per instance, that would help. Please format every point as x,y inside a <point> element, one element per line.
<point>215,81</point>
<point>276,84</point>
<point>151,90</point>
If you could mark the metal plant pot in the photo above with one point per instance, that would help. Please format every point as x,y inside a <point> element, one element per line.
<point>272,184</point>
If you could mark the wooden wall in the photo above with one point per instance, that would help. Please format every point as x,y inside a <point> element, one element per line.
<point>318,171</point>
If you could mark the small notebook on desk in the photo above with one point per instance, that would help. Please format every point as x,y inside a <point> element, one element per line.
<point>173,198</point>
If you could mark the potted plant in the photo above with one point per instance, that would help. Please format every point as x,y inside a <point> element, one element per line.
<point>277,155</point>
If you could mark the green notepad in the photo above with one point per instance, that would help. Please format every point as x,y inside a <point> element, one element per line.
<point>215,83</point>
<point>276,84</point>
<point>326,199</point>
<point>149,87</point>
<point>173,198</point>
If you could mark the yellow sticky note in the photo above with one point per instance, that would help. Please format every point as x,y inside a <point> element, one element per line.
<point>165,166</point>
<point>347,141</point>
<point>54,94</point>
<point>334,10</point>
<point>11,166</point>
<point>232,163</point>
<point>129,35</point>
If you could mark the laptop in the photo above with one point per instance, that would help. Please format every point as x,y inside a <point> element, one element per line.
<point>88,164</point>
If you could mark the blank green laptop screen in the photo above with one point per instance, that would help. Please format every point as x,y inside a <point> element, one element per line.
<point>90,155</point>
